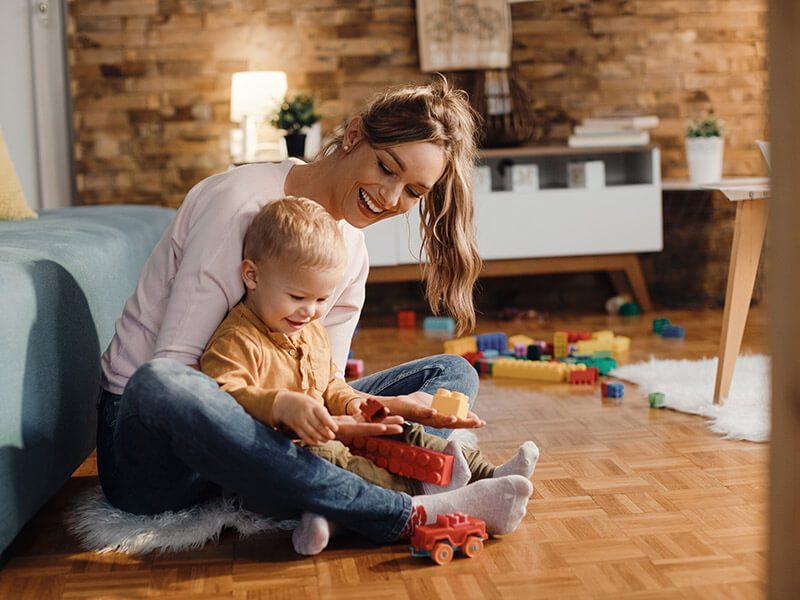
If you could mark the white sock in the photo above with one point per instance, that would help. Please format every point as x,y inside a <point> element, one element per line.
<point>461,474</point>
<point>500,502</point>
<point>312,534</point>
<point>523,463</point>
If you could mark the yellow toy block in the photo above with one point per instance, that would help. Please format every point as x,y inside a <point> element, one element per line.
<point>519,339</point>
<point>528,369</point>
<point>595,345</point>
<point>461,345</point>
<point>451,403</point>
<point>621,345</point>
<point>606,334</point>
<point>560,344</point>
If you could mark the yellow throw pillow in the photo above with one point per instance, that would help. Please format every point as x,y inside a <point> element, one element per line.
<point>12,201</point>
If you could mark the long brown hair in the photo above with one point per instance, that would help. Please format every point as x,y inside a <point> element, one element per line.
<point>438,113</point>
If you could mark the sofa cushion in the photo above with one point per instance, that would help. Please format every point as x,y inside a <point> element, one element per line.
<point>64,279</point>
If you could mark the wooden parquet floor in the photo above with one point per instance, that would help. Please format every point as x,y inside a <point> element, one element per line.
<point>629,503</point>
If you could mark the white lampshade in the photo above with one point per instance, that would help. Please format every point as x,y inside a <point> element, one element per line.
<point>256,93</point>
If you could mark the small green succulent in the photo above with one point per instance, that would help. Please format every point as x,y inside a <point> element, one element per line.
<point>708,126</point>
<point>296,113</point>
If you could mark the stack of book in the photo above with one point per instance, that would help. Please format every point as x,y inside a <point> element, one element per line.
<point>613,131</point>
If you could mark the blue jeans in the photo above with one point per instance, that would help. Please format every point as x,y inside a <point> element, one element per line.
<point>174,438</point>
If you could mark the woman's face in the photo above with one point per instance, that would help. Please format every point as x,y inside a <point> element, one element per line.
<point>379,183</point>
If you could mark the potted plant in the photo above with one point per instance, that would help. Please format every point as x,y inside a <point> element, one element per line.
<point>294,115</point>
<point>704,149</point>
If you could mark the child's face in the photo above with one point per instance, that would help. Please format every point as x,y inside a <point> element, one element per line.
<point>286,297</point>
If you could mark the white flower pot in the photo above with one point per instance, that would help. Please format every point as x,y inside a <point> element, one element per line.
<point>704,157</point>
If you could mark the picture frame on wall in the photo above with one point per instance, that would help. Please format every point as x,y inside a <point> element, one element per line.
<point>461,35</point>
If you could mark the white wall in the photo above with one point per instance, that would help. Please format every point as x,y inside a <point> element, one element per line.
<point>34,102</point>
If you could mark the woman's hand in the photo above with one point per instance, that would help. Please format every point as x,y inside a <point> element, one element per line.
<point>416,406</point>
<point>309,419</point>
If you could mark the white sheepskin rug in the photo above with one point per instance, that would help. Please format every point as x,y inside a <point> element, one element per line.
<point>103,528</point>
<point>689,387</point>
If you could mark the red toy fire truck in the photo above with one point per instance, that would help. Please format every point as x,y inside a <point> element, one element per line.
<point>455,531</point>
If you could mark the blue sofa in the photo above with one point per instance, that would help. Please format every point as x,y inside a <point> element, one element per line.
<point>64,279</point>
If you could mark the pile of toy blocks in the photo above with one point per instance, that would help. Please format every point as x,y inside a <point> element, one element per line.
<point>578,357</point>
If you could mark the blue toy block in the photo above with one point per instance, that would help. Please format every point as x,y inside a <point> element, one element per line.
<point>492,341</point>
<point>490,353</point>
<point>350,355</point>
<point>439,324</point>
<point>615,389</point>
<point>672,331</point>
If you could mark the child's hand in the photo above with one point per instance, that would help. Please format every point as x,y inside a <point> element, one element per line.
<point>354,406</point>
<point>309,419</point>
<point>417,407</point>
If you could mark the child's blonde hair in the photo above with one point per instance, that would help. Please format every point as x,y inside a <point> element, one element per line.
<point>297,230</point>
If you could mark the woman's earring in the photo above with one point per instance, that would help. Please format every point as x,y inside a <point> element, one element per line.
<point>346,148</point>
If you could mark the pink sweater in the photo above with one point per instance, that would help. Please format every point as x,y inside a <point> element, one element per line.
<point>192,278</point>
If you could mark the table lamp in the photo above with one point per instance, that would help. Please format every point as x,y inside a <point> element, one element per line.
<point>255,95</point>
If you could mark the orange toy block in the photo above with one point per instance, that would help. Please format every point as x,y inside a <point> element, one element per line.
<point>529,369</point>
<point>461,346</point>
<point>405,460</point>
<point>451,403</point>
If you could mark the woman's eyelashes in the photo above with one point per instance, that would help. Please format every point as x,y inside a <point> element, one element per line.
<point>411,193</point>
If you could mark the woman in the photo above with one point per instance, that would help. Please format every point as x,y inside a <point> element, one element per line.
<point>168,437</point>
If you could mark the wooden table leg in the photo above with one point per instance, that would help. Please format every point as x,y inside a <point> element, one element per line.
<point>748,239</point>
<point>633,269</point>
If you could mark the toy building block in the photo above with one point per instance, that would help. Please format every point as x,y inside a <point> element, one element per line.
<point>354,368</point>
<point>534,352</point>
<point>490,353</point>
<point>520,350</point>
<point>672,331</point>
<point>588,376</point>
<point>439,324</point>
<point>621,344</point>
<point>657,400</point>
<point>576,336</point>
<point>405,460</point>
<point>450,533</point>
<point>519,339</point>
<point>658,324</point>
<point>605,334</point>
<point>560,344</point>
<point>492,341</point>
<point>630,309</point>
<point>406,319</point>
<point>525,369</point>
<point>484,366</point>
<point>451,403</point>
<point>613,389</point>
<point>471,357</point>
<point>461,346</point>
<point>374,411</point>
<point>595,345</point>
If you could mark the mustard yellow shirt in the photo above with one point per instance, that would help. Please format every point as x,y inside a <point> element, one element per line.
<point>253,363</point>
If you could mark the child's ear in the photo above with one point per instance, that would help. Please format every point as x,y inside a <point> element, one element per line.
<point>249,274</point>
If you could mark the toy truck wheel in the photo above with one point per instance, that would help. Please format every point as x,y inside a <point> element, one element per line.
<point>473,546</point>
<point>442,553</point>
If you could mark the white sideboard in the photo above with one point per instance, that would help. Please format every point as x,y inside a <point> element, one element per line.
<point>601,229</point>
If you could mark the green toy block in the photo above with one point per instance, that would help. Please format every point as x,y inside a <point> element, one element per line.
<point>656,400</point>
<point>604,365</point>
<point>658,324</point>
<point>601,354</point>
<point>630,309</point>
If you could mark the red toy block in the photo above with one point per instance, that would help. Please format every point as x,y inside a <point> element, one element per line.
<point>354,368</point>
<point>576,336</point>
<point>373,411</point>
<point>471,357</point>
<point>406,319</point>
<point>581,377</point>
<point>451,532</point>
<point>404,459</point>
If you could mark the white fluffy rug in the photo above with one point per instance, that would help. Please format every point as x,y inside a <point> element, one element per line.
<point>689,387</point>
<point>102,528</point>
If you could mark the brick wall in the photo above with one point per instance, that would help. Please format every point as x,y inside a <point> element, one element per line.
<point>150,79</point>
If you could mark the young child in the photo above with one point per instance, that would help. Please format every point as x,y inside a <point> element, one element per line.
<point>273,356</point>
